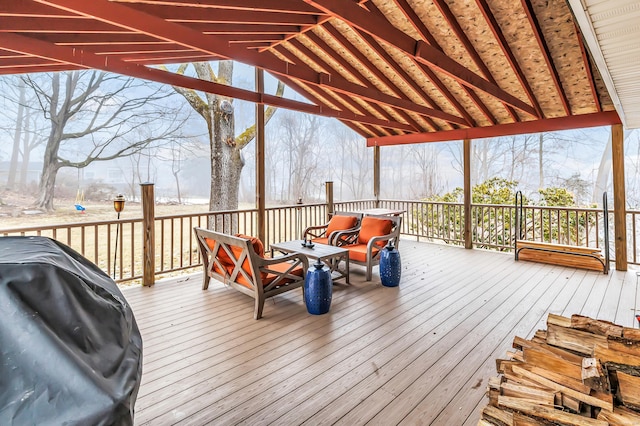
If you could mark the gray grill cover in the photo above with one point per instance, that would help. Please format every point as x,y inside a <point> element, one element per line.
<point>71,351</point>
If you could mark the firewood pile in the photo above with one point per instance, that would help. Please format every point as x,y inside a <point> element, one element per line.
<point>580,371</point>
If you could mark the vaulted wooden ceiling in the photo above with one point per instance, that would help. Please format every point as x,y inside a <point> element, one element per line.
<point>396,71</point>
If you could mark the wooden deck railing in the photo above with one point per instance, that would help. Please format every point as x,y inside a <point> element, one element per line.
<point>176,250</point>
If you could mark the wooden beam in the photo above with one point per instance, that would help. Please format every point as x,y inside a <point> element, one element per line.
<point>85,59</point>
<point>260,159</point>
<point>380,28</point>
<point>619,197</point>
<point>285,6</point>
<point>133,20</point>
<point>246,16</point>
<point>468,241</point>
<point>366,64</point>
<point>537,126</point>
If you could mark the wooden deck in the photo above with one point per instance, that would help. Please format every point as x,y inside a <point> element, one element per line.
<point>417,354</point>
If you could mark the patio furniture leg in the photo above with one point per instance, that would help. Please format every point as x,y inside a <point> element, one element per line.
<point>257,313</point>
<point>205,280</point>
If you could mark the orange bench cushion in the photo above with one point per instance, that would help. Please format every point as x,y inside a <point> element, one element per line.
<point>282,267</point>
<point>358,252</point>
<point>374,227</point>
<point>341,223</point>
<point>321,240</point>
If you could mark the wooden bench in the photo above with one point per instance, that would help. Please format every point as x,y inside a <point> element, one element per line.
<point>238,261</point>
<point>563,255</point>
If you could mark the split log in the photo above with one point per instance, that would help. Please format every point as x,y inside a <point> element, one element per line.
<point>594,375</point>
<point>603,328</point>
<point>570,403</point>
<point>620,416</point>
<point>576,385</point>
<point>625,345</point>
<point>579,341</point>
<point>553,363</point>
<point>535,394</point>
<point>586,398</point>
<point>520,419</point>
<point>619,361</point>
<point>520,343</point>
<point>631,333</point>
<point>547,412</point>
<point>629,387</point>
<point>558,320</point>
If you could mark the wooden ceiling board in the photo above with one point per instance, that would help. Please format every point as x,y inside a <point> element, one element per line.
<point>513,22</point>
<point>559,32</point>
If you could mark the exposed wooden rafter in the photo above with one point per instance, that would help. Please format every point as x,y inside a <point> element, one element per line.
<point>504,46</point>
<point>528,8</point>
<point>372,24</point>
<point>124,17</point>
<point>471,50</point>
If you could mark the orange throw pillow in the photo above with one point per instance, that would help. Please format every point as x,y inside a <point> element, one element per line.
<point>258,246</point>
<point>340,223</point>
<point>374,227</point>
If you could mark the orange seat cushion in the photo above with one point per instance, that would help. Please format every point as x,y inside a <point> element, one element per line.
<point>358,252</point>
<point>320,241</point>
<point>282,267</point>
<point>374,227</point>
<point>341,223</point>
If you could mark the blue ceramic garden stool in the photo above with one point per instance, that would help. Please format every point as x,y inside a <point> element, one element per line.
<point>390,266</point>
<point>318,288</point>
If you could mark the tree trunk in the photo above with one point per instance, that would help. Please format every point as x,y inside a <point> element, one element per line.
<point>13,167</point>
<point>28,142</point>
<point>48,179</point>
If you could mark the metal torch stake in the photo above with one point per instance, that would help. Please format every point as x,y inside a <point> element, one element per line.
<point>115,254</point>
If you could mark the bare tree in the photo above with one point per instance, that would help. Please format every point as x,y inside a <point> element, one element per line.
<point>355,163</point>
<point>299,135</point>
<point>428,180</point>
<point>225,147</point>
<point>95,116</point>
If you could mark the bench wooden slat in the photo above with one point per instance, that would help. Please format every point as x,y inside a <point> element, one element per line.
<point>559,247</point>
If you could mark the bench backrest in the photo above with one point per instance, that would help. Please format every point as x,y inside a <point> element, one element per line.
<point>230,258</point>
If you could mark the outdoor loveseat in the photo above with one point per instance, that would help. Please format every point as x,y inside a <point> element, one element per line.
<point>238,261</point>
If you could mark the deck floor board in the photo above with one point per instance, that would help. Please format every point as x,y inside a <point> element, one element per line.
<point>417,354</point>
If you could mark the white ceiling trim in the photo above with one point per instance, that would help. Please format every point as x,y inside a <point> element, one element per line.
<point>611,30</point>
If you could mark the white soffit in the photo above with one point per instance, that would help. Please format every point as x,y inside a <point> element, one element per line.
<point>611,29</point>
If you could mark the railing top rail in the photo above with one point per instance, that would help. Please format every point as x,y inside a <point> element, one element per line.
<point>69,225</point>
